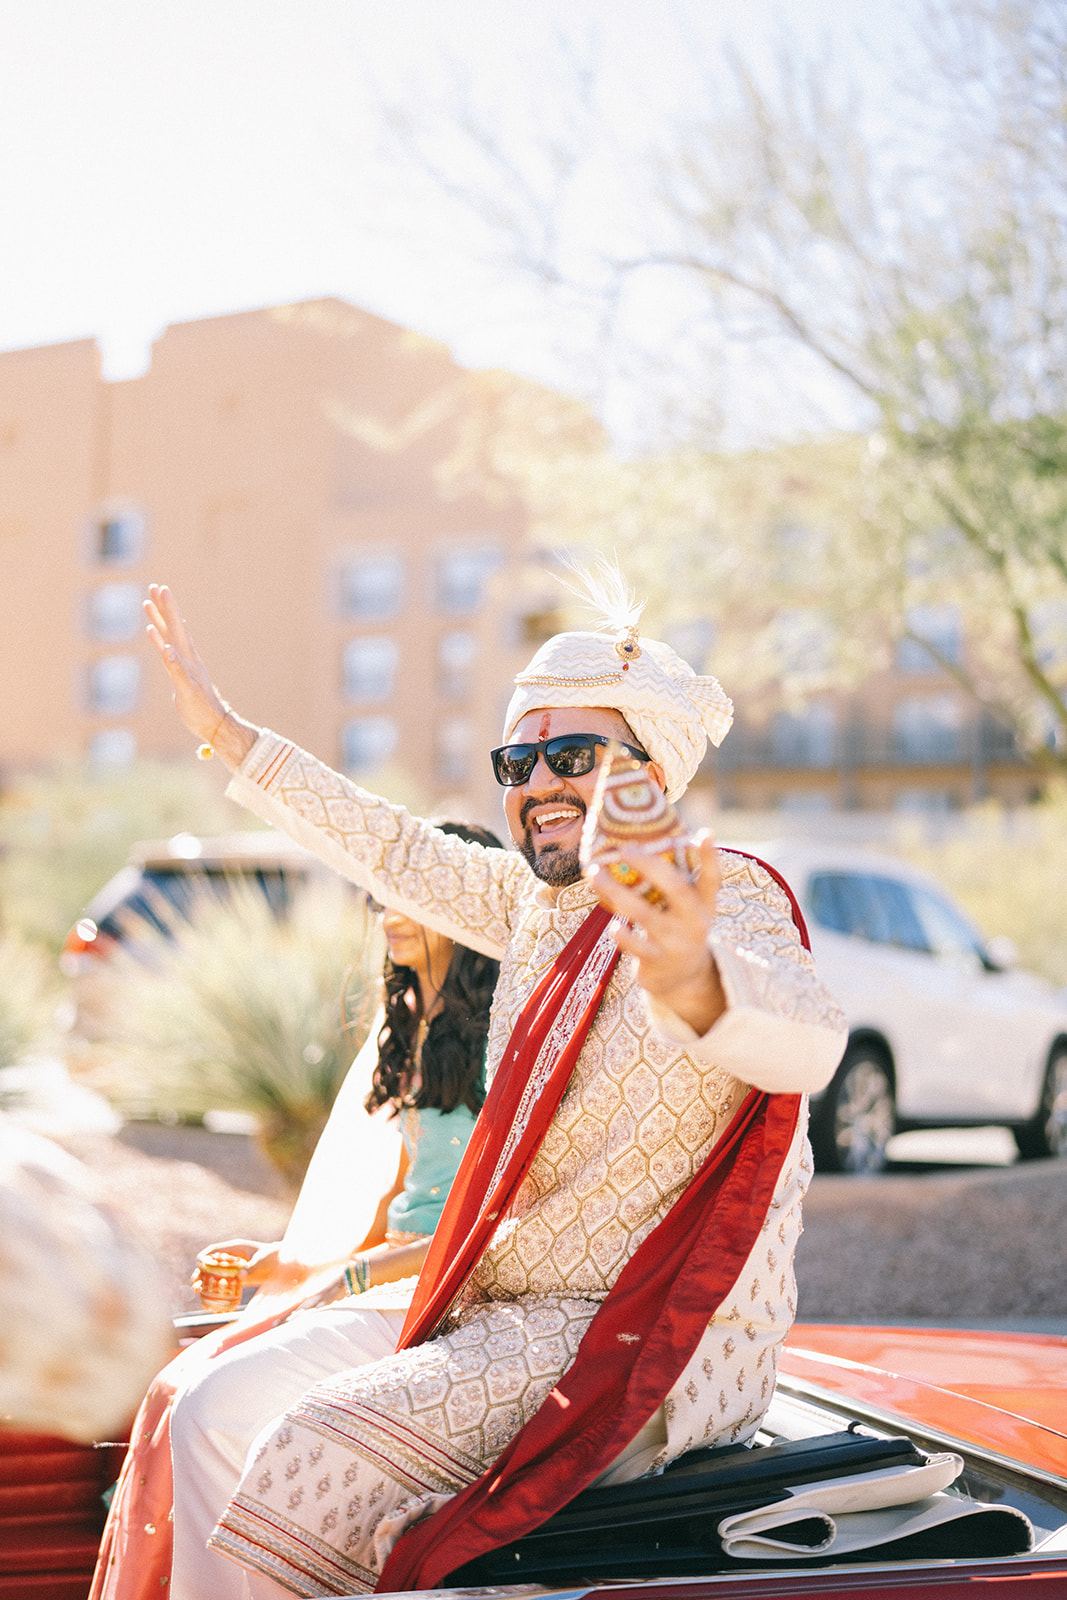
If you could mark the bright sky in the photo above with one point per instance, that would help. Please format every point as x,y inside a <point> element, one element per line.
<point>178,159</point>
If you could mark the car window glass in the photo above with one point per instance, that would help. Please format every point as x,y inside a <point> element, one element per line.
<point>947,931</point>
<point>830,902</point>
<point>148,903</point>
<point>869,915</point>
<point>847,903</point>
<point>901,925</point>
<point>160,892</point>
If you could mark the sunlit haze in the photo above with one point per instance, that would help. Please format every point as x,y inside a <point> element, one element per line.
<point>176,161</point>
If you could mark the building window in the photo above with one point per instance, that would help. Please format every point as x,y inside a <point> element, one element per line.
<point>924,802</point>
<point>455,741</point>
<point>928,728</point>
<point>462,576</point>
<point>114,612</point>
<point>804,802</point>
<point>369,668</point>
<point>457,652</point>
<point>112,747</point>
<point>119,539</point>
<point>371,587</point>
<point>805,738</point>
<point>367,743</point>
<point>935,636</point>
<point>114,684</point>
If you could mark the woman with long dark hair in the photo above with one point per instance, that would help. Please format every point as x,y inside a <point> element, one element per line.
<point>426,1066</point>
<point>431,1071</point>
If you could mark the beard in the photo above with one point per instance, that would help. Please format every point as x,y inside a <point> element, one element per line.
<point>552,864</point>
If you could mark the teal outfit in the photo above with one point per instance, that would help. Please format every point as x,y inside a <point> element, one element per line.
<point>435,1141</point>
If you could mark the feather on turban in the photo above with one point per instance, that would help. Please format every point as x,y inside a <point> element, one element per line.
<point>672,710</point>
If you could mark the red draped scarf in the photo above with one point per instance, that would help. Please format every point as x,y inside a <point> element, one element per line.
<point>527,1088</point>
<point>645,1331</point>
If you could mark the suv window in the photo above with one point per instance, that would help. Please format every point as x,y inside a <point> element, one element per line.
<point>848,903</point>
<point>902,926</point>
<point>157,888</point>
<point>830,902</point>
<point>947,932</point>
<point>867,907</point>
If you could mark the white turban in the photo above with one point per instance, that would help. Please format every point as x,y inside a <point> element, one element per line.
<point>672,710</point>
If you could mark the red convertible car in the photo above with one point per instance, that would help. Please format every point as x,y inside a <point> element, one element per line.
<point>996,1400</point>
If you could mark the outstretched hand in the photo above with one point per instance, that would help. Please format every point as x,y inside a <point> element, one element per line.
<point>669,940</point>
<point>196,700</point>
<point>260,1259</point>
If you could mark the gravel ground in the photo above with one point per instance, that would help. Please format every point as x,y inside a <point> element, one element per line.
<point>967,1245</point>
<point>973,1245</point>
<point>179,1189</point>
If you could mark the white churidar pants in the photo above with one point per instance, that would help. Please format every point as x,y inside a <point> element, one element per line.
<point>217,1417</point>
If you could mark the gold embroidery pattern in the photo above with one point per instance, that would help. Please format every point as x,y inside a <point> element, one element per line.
<point>763,965</point>
<point>421,1424</point>
<point>599,682</point>
<point>638,1117</point>
<point>562,1029</point>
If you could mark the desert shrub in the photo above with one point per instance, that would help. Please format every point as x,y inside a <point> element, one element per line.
<point>237,1009</point>
<point>1008,869</point>
<point>29,997</point>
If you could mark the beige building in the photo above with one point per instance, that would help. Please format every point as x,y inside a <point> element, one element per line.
<point>317,485</point>
<point>323,490</point>
<point>908,737</point>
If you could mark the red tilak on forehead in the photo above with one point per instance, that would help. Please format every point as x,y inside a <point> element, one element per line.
<point>546,723</point>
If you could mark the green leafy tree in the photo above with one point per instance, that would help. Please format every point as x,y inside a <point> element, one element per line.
<point>937,293</point>
<point>904,265</point>
<point>1001,867</point>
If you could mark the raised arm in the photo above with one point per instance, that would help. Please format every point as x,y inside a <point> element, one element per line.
<point>196,700</point>
<point>460,889</point>
<point>669,939</point>
<point>726,975</point>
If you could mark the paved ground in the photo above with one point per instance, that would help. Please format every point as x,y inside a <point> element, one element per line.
<point>965,1244</point>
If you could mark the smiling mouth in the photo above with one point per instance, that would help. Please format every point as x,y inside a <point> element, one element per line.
<point>554,821</point>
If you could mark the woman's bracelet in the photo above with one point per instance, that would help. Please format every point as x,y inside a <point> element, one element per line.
<point>357,1275</point>
<point>207,750</point>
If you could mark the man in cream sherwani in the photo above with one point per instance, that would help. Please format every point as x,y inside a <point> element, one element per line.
<point>713,994</point>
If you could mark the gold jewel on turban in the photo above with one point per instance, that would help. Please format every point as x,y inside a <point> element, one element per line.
<point>672,710</point>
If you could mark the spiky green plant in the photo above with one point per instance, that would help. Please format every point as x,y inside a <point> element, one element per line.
<point>29,996</point>
<point>234,1008</point>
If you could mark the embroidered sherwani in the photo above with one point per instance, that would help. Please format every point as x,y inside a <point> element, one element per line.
<point>328,1490</point>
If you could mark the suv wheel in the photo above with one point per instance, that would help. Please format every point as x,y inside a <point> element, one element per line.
<point>1046,1134</point>
<point>855,1119</point>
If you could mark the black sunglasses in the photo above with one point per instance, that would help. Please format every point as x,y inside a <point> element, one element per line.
<point>568,755</point>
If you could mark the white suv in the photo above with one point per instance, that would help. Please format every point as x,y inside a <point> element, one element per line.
<point>942,1032</point>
